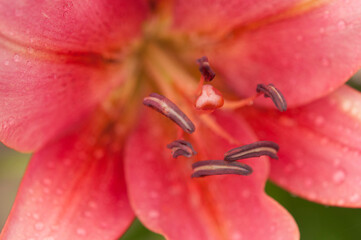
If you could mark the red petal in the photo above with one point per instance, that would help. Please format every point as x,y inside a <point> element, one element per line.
<point>306,55</point>
<point>320,153</point>
<point>207,16</point>
<point>94,25</point>
<point>40,97</point>
<point>169,202</point>
<point>72,189</point>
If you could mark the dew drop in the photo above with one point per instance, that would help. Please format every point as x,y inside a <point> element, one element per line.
<point>49,238</point>
<point>35,216</point>
<point>153,214</point>
<point>236,236</point>
<point>246,193</point>
<point>104,225</point>
<point>55,227</point>
<point>341,25</point>
<point>153,194</point>
<point>322,31</point>
<point>87,214</point>
<point>16,58</point>
<point>325,61</point>
<point>59,191</point>
<point>98,153</point>
<point>81,232</point>
<point>39,226</point>
<point>47,181</point>
<point>319,120</point>
<point>339,176</point>
<point>299,38</point>
<point>336,162</point>
<point>67,162</point>
<point>6,63</point>
<point>30,50</point>
<point>93,204</point>
<point>308,182</point>
<point>355,197</point>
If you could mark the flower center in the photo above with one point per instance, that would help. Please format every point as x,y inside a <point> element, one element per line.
<point>160,76</point>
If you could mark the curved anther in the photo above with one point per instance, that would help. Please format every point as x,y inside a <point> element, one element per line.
<point>255,149</point>
<point>272,92</point>
<point>219,167</point>
<point>181,148</point>
<point>170,110</point>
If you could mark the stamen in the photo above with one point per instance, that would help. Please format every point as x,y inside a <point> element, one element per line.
<point>170,110</point>
<point>255,149</point>
<point>210,98</point>
<point>219,167</point>
<point>207,73</point>
<point>271,91</point>
<point>181,148</point>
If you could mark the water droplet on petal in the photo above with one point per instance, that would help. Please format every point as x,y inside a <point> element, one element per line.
<point>6,63</point>
<point>341,25</point>
<point>35,216</point>
<point>236,236</point>
<point>93,204</point>
<point>39,226</point>
<point>30,50</point>
<point>319,120</point>
<point>325,61</point>
<point>49,238</point>
<point>308,182</point>
<point>153,214</point>
<point>355,197</point>
<point>339,176</point>
<point>336,162</point>
<point>16,58</point>
<point>87,214</point>
<point>299,38</point>
<point>81,232</point>
<point>47,181</point>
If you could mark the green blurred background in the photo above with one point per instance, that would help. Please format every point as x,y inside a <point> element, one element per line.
<point>316,222</point>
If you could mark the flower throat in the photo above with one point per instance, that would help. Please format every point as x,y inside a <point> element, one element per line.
<point>201,102</point>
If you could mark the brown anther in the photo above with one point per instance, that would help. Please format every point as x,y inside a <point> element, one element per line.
<point>205,69</point>
<point>170,110</point>
<point>255,149</point>
<point>209,99</point>
<point>219,167</point>
<point>181,148</point>
<point>271,91</point>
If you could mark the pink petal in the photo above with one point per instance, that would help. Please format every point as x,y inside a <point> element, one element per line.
<point>93,25</point>
<point>168,201</point>
<point>306,55</point>
<point>211,16</point>
<point>41,97</point>
<point>72,189</point>
<point>320,153</point>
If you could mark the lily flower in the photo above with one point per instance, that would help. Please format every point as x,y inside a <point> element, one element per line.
<point>73,79</point>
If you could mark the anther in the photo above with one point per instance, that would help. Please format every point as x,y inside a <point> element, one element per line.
<point>255,149</point>
<point>181,148</point>
<point>170,110</point>
<point>209,99</point>
<point>271,91</point>
<point>207,73</point>
<point>219,167</point>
